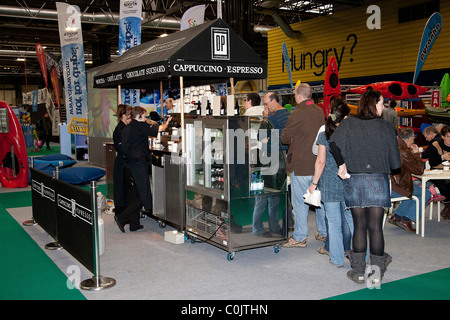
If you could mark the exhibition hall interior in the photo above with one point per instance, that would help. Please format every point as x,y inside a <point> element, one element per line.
<point>191,151</point>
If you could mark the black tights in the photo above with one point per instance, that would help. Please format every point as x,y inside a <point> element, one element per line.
<point>368,220</point>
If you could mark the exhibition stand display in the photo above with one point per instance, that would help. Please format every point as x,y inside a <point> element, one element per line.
<point>210,53</point>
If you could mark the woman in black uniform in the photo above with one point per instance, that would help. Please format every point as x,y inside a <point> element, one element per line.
<point>120,186</point>
<point>137,154</point>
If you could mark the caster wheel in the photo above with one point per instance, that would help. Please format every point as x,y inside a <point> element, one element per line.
<point>162,224</point>
<point>230,256</point>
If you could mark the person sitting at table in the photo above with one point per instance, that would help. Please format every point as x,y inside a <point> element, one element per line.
<point>431,135</point>
<point>440,152</point>
<point>402,183</point>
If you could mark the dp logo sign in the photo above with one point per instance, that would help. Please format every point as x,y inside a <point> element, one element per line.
<point>220,40</point>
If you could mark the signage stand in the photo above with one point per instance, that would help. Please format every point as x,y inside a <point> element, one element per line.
<point>97,282</point>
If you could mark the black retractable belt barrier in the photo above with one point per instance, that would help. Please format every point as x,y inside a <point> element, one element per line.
<point>43,201</point>
<point>74,219</point>
<point>43,197</point>
<point>69,214</point>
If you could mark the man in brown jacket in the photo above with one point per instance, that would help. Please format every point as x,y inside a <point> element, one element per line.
<point>402,183</point>
<point>300,133</point>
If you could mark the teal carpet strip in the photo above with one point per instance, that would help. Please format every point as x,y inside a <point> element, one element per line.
<point>429,286</point>
<point>26,272</point>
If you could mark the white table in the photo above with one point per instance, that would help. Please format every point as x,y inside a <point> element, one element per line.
<point>435,174</point>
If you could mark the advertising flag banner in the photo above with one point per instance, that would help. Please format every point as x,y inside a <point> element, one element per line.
<point>55,82</point>
<point>287,63</point>
<point>430,33</point>
<point>193,17</point>
<point>42,62</point>
<point>72,52</point>
<point>129,36</point>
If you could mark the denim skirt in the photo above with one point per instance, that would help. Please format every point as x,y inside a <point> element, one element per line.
<point>363,190</point>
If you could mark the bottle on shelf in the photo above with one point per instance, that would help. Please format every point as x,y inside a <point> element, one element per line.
<point>253,184</point>
<point>220,179</point>
<point>213,179</point>
<point>201,178</point>
<point>260,183</point>
<point>223,107</point>
<point>199,108</point>
<point>236,108</point>
<point>208,109</point>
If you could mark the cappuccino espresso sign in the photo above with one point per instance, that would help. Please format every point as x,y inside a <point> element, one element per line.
<point>209,50</point>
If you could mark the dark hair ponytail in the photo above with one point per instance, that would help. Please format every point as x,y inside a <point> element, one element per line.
<point>338,111</point>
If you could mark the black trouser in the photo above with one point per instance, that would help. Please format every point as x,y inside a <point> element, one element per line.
<point>131,214</point>
<point>46,138</point>
<point>140,173</point>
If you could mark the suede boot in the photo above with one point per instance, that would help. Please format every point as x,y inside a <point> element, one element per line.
<point>358,264</point>
<point>381,262</point>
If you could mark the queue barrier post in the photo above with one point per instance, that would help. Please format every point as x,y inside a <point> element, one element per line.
<point>31,222</point>
<point>54,245</point>
<point>97,282</point>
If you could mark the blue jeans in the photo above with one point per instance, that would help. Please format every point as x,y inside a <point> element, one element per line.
<point>272,209</point>
<point>407,208</point>
<point>339,229</point>
<point>299,185</point>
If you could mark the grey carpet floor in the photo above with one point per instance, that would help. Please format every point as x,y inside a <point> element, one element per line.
<point>145,266</point>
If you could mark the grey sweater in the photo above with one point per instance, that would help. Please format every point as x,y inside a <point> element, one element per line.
<point>366,146</point>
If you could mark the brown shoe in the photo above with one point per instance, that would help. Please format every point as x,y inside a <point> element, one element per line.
<point>393,220</point>
<point>292,243</point>
<point>406,225</point>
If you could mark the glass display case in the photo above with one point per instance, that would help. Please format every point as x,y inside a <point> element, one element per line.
<point>236,192</point>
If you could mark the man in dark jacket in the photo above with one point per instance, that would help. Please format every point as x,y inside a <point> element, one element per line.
<point>431,134</point>
<point>402,183</point>
<point>46,126</point>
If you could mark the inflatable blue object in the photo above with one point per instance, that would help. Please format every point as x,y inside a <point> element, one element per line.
<point>57,160</point>
<point>75,175</point>
<point>72,175</point>
<point>81,175</point>
<point>48,163</point>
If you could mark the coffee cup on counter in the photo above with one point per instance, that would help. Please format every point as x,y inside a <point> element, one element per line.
<point>446,165</point>
<point>171,146</point>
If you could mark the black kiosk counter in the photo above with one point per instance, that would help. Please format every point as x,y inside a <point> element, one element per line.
<point>209,53</point>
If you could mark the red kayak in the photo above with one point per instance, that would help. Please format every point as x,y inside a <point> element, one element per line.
<point>332,86</point>
<point>393,89</point>
<point>13,151</point>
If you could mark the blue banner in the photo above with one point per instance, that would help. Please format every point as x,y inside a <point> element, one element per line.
<point>72,53</point>
<point>34,102</point>
<point>130,36</point>
<point>430,33</point>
